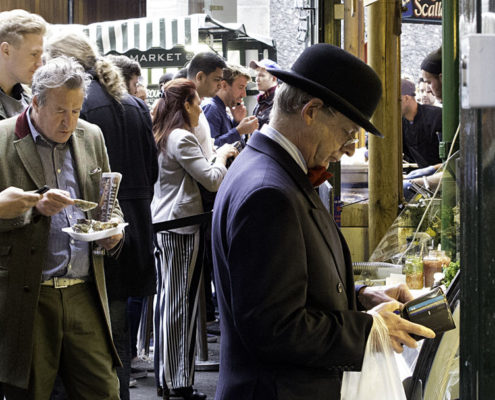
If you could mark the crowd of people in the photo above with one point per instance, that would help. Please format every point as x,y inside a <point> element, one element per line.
<point>291,318</point>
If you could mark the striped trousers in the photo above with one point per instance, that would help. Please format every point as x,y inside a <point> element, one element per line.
<point>178,263</point>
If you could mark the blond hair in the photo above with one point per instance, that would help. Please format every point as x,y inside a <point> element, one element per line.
<point>78,46</point>
<point>232,72</point>
<point>15,24</point>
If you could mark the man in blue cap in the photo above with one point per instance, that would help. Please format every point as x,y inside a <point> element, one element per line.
<point>266,83</point>
<point>289,311</point>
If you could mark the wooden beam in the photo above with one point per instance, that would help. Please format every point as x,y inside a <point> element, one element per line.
<point>384,155</point>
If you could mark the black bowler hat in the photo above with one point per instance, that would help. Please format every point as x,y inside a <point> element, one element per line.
<point>339,79</point>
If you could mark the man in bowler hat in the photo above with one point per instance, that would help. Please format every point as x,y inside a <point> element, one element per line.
<point>291,317</point>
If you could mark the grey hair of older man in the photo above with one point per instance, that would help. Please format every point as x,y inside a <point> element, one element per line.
<point>58,72</point>
<point>290,100</point>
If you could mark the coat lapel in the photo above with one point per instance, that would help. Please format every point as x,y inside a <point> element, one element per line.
<point>332,238</point>
<point>79,154</point>
<point>320,215</point>
<point>26,149</point>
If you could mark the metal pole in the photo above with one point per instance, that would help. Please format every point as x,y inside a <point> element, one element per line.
<point>450,118</point>
<point>70,11</point>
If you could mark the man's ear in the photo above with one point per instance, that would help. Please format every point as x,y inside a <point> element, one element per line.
<point>311,110</point>
<point>5,48</point>
<point>440,76</point>
<point>200,76</point>
<point>35,103</point>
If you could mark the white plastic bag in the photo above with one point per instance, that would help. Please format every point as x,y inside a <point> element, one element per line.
<point>379,377</point>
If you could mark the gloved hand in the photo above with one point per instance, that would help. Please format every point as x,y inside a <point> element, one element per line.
<point>417,173</point>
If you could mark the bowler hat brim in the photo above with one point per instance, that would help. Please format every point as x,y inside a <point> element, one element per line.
<point>327,96</point>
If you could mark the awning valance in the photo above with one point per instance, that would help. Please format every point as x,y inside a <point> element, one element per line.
<point>143,34</point>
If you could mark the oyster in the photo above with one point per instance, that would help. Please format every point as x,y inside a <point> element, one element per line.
<point>85,205</point>
<point>90,225</point>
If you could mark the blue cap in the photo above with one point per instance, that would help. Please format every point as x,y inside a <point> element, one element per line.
<point>265,63</point>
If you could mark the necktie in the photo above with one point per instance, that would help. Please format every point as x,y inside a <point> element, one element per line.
<point>318,175</point>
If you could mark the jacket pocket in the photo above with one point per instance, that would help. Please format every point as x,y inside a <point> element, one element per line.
<point>95,174</point>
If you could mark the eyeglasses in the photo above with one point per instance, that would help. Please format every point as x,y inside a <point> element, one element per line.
<point>351,134</point>
<point>353,140</point>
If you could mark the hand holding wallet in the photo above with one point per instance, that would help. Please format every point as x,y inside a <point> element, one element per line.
<point>431,310</point>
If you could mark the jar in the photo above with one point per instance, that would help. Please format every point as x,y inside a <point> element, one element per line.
<point>432,263</point>
<point>413,269</point>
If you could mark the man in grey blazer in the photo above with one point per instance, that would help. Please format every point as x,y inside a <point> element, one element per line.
<point>289,313</point>
<point>53,303</point>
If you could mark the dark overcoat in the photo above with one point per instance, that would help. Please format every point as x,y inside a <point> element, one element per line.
<point>284,283</point>
<point>23,240</point>
<point>132,151</point>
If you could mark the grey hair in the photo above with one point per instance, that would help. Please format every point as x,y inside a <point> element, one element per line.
<point>290,100</point>
<point>59,72</point>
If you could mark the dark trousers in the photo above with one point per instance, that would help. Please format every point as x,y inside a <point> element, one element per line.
<point>134,309</point>
<point>122,341</point>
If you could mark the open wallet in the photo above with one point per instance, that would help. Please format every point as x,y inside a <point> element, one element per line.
<point>431,310</point>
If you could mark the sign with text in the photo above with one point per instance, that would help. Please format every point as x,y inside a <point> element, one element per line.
<point>422,11</point>
<point>157,57</point>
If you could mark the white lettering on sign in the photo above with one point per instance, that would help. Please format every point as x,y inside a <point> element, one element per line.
<point>173,56</point>
<point>427,10</point>
<point>156,57</point>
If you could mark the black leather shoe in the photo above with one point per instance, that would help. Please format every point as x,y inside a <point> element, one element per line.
<point>187,393</point>
<point>164,393</point>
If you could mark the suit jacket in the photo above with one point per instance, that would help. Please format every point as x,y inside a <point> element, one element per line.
<point>23,240</point>
<point>182,166</point>
<point>284,283</point>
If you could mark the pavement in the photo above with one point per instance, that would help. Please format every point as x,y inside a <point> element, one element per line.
<point>204,381</point>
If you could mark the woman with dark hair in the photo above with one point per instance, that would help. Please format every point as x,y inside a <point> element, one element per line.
<point>182,166</point>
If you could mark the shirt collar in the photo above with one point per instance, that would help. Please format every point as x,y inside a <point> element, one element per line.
<point>267,94</point>
<point>34,132</point>
<point>17,91</point>
<point>286,144</point>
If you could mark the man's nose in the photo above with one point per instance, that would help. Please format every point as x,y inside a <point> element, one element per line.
<point>66,120</point>
<point>39,61</point>
<point>350,149</point>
